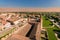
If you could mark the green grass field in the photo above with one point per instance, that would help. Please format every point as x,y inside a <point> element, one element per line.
<point>47,23</point>
<point>51,34</point>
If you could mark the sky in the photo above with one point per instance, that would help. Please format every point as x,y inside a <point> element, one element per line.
<point>30,3</point>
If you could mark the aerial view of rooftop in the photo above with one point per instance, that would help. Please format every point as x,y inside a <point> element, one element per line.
<point>29,19</point>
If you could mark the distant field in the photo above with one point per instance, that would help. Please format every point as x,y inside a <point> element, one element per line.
<point>6,33</point>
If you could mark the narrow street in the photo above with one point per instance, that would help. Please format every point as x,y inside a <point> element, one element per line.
<point>32,33</point>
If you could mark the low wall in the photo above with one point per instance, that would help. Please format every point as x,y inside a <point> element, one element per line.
<point>38,32</point>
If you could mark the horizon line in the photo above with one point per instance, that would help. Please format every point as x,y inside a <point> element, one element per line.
<point>29,9</point>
